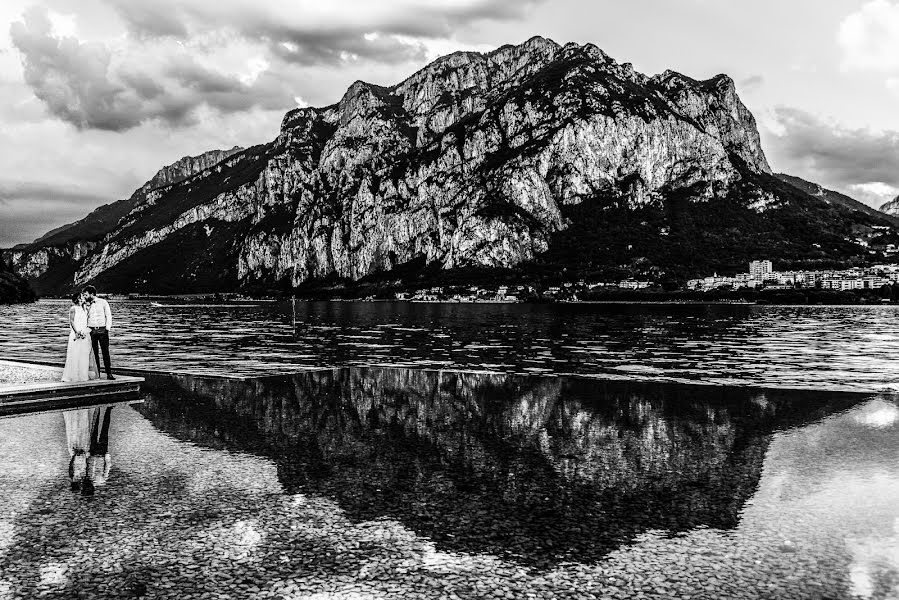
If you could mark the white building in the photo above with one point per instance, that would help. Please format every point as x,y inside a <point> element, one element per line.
<point>758,269</point>
<point>787,277</point>
<point>874,282</point>
<point>841,284</point>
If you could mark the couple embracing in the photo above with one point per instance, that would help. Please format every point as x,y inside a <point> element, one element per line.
<point>90,320</point>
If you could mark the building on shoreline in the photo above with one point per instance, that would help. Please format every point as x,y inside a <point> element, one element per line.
<point>762,275</point>
<point>759,269</point>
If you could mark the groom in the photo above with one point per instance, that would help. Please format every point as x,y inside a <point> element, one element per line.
<point>99,321</point>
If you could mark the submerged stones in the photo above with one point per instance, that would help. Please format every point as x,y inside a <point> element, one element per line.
<point>234,511</point>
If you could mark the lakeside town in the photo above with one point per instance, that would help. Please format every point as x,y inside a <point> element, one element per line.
<point>760,276</point>
<point>568,291</point>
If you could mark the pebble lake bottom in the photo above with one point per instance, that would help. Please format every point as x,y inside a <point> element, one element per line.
<point>370,483</point>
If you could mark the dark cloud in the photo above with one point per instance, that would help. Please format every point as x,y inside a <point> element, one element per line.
<point>143,85</point>
<point>833,155</point>
<point>87,85</point>
<point>368,30</point>
<point>78,83</point>
<point>334,47</point>
<point>28,210</point>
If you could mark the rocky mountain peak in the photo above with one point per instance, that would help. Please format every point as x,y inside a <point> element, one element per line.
<point>716,107</point>
<point>360,102</point>
<point>592,51</point>
<point>467,77</point>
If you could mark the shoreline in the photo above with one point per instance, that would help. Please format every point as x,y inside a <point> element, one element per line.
<point>250,303</point>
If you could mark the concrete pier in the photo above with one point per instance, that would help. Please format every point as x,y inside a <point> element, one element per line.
<point>44,390</point>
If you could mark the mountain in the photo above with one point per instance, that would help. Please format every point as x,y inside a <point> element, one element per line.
<point>813,189</point>
<point>14,288</point>
<point>51,261</point>
<point>891,207</point>
<point>535,161</point>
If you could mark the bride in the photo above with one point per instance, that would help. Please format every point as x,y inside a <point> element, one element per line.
<point>78,355</point>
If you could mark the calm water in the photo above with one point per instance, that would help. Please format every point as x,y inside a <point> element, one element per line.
<point>840,347</point>
<point>395,483</point>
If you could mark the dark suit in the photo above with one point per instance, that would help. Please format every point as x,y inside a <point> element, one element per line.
<point>100,339</point>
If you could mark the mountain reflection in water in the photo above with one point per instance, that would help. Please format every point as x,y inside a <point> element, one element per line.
<point>534,469</point>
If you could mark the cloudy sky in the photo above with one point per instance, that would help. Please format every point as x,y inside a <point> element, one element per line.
<point>96,95</point>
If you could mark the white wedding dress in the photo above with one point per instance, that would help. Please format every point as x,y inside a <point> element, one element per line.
<point>79,365</point>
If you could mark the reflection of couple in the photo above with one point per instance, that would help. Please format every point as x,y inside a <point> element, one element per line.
<point>87,438</point>
<point>89,317</point>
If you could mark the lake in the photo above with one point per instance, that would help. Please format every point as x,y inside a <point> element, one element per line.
<point>810,347</point>
<point>397,450</point>
<point>397,483</point>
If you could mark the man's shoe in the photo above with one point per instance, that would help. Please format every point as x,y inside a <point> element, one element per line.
<point>110,377</point>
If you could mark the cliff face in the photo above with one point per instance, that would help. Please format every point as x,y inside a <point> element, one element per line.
<point>14,288</point>
<point>891,207</point>
<point>185,167</point>
<point>477,160</point>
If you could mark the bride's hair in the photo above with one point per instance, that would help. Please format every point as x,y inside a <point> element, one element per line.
<point>76,298</point>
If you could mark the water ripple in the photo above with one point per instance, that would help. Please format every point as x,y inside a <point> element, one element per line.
<point>818,347</point>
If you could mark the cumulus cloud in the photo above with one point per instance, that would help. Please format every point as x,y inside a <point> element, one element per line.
<point>856,161</point>
<point>875,193</point>
<point>313,32</point>
<point>869,37</point>
<point>173,57</point>
<point>84,84</point>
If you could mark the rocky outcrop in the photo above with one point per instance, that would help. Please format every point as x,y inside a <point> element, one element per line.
<point>186,166</point>
<point>891,207</point>
<point>716,107</point>
<point>477,160</point>
<point>14,288</point>
<point>35,263</point>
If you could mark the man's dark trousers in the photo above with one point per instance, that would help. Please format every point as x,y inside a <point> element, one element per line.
<point>100,339</point>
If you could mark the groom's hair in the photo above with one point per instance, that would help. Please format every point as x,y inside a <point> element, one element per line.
<point>91,290</point>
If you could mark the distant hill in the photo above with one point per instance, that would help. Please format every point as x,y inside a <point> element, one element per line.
<point>51,261</point>
<point>104,219</point>
<point>813,189</point>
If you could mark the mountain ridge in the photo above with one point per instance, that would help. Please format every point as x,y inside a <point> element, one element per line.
<point>66,246</point>
<point>814,189</point>
<point>102,220</point>
<point>478,161</point>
